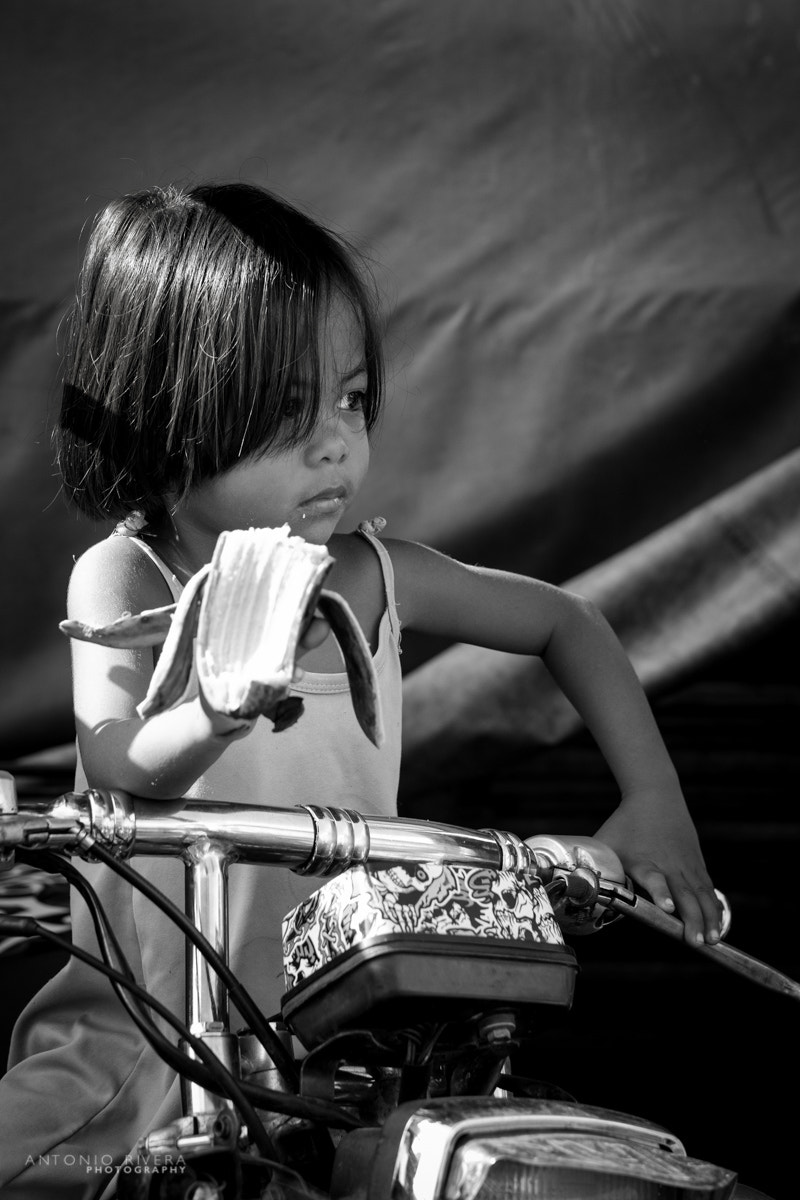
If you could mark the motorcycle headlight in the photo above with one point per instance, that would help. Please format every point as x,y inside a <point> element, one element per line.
<point>482,1148</point>
<point>568,1167</point>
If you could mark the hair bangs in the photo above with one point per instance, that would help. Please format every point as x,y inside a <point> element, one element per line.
<point>195,341</point>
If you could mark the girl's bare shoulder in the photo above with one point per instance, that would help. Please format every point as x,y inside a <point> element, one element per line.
<point>357,575</point>
<point>112,577</point>
<point>356,569</point>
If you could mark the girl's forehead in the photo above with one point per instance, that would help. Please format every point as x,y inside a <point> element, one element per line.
<point>342,338</point>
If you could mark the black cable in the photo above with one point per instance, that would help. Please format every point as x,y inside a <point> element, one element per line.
<point>288,1104</point>
<point>108,942</point>
<point>47,860</point>
<point>236,990</point>
<point>223,1081</point>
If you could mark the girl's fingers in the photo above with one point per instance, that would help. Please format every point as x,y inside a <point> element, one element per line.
<point>698,907</point>
<point>700,911</point>
<point>712,912</point>
<point>690,912</point>
<point>239,731</point>
<point>231,728</point>
<point>657,888</point>
<point>318,629</point>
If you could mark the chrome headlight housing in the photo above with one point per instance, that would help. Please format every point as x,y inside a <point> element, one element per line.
<point>482,1148</point>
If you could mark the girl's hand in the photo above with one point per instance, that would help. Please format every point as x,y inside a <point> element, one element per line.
<point>656,841</point>
<point>232,729</point>
<point>223,726</point>
<point>316,632</point>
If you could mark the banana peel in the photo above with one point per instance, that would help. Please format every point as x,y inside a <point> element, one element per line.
<point>239,621</point>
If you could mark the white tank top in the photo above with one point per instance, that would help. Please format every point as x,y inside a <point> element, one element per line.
<point>75,1029</point>
<point>325,758</point>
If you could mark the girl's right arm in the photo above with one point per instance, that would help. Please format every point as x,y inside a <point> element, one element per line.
<point>160,757</point>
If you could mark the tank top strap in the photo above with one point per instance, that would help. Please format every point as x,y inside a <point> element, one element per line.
<point>368,530</point>
<point>172,583</point>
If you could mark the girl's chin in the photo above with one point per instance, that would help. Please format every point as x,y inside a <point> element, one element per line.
<point>316,530</point>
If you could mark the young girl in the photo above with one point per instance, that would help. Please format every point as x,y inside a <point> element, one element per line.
<point>224,371</point>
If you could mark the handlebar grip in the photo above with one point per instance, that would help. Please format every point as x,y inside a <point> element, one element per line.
<point>725,955</point>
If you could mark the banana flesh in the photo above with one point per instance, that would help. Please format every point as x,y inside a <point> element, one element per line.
<point>262,585</point>
<point>239,621</point>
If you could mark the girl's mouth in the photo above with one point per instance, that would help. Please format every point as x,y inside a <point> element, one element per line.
<point>331,500</point>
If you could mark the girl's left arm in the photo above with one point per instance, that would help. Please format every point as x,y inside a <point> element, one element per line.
<point>651,830</point>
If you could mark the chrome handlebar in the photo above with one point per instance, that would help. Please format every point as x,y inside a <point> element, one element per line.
<point>585,879</point>
<point>309,839</point>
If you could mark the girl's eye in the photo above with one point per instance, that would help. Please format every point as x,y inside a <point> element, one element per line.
<point>353,401</point>
<point>293,408</point>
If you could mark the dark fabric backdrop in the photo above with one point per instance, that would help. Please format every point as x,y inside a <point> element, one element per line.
<point>585,218</point>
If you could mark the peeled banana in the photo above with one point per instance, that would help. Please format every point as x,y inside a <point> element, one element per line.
<point>239,621</point>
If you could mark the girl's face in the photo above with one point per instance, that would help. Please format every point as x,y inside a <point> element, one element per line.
<point>308,487</point>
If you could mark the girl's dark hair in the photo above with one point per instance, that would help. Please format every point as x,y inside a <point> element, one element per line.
<point>196,312</point>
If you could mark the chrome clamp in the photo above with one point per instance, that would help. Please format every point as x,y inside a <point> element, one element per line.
<point>341,840</point>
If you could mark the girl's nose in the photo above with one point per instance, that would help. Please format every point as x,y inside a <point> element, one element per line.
<point>329,443</point>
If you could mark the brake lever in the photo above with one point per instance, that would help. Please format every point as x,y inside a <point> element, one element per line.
<point>623,900</point>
